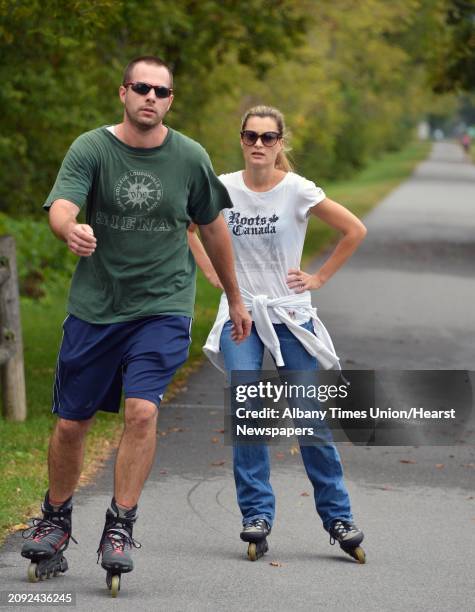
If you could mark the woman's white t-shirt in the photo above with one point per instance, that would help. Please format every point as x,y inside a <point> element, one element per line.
<point>268,231</point>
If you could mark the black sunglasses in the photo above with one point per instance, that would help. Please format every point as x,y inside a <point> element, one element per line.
<point>143,88</point>
<point>268,139</point>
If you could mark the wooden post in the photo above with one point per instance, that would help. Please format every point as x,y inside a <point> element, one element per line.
<point>11,343</point>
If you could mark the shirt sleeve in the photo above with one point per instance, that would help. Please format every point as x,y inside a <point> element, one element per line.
<point>309,195</point>
<point>75,177</point>
<point>208,196</point>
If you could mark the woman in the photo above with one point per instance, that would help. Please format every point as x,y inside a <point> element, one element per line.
<point>268,221</point>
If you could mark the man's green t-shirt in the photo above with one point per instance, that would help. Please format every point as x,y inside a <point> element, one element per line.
<point>139,203</point>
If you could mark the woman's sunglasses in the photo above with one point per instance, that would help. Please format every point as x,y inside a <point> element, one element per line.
<point>143,88</point>
<point>268,139</point>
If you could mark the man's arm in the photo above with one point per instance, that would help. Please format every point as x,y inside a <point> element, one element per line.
<point>217,242</point>
<point>201,258</point>
<point>78,236</point>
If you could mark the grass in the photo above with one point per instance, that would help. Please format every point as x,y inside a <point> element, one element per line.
<point>364,191</point>
<point>23,446</point>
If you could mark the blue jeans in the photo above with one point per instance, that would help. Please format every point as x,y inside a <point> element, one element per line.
<point>251,462</point>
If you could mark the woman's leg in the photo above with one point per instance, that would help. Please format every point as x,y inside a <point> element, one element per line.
<point>250,461</point>
<point>321,458</point>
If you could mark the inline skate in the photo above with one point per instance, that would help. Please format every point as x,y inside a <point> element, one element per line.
<point>255,533</point>
<point>48,538</point>
<point>347,534</point>
<point>116,544</point>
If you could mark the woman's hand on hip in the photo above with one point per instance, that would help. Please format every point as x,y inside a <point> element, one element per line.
<point>300,281</point>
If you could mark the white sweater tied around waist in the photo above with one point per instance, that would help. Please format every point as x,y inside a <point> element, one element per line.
<point>319,345</point>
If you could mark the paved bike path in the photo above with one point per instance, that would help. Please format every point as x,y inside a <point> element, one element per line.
<point>404,301</point>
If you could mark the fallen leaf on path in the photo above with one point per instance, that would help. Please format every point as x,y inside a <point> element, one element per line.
<point>219,430</point>
<point>218,463</point>
<point>20,526</point>
<point>305,494</point>
<point>214,440</point>
<point>163,472</point>
<point>407,461</point>
<point>387,488</point>
<point>280,455</point>
<point>278,564</point>
<point>439,466</point>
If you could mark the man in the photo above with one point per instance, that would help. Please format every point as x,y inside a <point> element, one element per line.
<point>131,299</point>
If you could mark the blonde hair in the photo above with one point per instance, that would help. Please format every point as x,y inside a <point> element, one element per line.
<point>282,162</point>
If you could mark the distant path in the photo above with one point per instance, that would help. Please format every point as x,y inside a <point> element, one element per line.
<point>407,299</point>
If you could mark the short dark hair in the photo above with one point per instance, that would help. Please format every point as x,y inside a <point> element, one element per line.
<point>147,59</point>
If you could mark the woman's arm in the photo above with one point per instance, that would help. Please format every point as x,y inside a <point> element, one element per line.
<point>201,258</point>
<point>337,216</point>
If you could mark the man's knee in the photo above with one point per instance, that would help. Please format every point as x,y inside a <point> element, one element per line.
<point>72,431</point>
<point>140,414</point>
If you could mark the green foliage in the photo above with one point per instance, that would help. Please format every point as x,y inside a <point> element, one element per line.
<point>339,70</point>
<point>62,62</point>
<point>454,59</point>
<point>42,260</point>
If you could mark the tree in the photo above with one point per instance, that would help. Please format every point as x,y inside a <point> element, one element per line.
<point>61,61</point>
<point>453,61</point>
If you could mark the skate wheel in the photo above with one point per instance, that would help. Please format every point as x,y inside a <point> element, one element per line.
<point>359,554</point>
<point>115,585</point>
<point>252,552</point>
<point>33,573</point>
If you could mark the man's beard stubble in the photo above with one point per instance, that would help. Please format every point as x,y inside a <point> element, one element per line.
<point>142,126</point>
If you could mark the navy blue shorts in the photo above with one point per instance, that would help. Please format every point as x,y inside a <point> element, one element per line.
<point>96,361</point>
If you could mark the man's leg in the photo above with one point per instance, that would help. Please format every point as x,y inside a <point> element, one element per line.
<point>133,464</point>
<point>136,451</point>
<point>65,458</point>
<point>49,537</point>
<point>88,378</point>
<point>154,350</point>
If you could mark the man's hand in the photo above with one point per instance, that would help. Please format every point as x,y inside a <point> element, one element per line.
<point>217,242</point>
<point>242,322</point>
<point>80,239</point>
<point>78,236</point>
